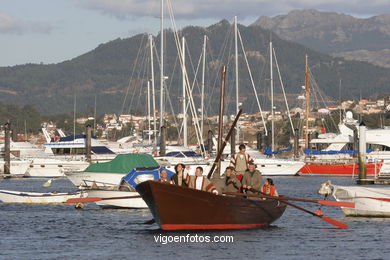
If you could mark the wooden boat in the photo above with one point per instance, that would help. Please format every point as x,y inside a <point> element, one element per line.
<point>369,201</point>
<point>178,208</point>
<point>10,196</point>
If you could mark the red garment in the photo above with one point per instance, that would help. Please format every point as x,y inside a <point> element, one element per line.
<point>271,190</point>
<point>239,177</point>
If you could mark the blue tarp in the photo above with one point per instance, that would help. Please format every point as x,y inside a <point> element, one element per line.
<point>315,152</point>
<point>269,152</point>
<point>101,150</point>
<point>139,175</point>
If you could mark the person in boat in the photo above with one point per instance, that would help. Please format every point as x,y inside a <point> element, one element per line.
<point>232,184</point>
<point>269,188</point>
<point>240,161</point>
<point>252,179</point>
<point>199,182</point>
<point>164,177</point>
<point>180,175</point>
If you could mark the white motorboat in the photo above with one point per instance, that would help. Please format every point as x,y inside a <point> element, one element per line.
<point>10,196</point>
<point>271,166</point>
<point>52,167</point>
<point>369,201</point>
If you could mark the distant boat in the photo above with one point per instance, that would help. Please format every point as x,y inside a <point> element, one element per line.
<point>178,208</point>
<point>10,196</point>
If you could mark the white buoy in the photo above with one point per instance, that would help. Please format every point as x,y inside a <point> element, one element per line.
<point>47,184</point>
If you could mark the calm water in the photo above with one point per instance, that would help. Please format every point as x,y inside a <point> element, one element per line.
<point>62,232</point>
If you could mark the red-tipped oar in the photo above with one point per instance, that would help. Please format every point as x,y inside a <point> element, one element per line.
<point>94,199</point>
<point>327,219</point>
<point>321,202</point>
<point>324,218</point>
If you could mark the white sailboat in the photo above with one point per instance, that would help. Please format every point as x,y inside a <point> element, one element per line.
<point>268,166</point>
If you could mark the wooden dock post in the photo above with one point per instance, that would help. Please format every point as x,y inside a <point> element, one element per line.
<point>88,146</point>
<point>296,144</point>
<point>163,136</point>
<point>259,140</point>
<point>362,156</point>
<point>210,142</point>
<point>7,148</point>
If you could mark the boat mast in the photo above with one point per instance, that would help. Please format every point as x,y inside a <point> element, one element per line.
<point>185,143</point>
<point>272,100</point>
<point>162,64</point>
<point>153,94</point>
<point>149,129</point>
<point>202,86</point>
<point>307,95</point>
<point>236,72</point>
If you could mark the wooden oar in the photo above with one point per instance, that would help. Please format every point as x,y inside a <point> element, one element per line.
<point>327,219</point>
<point>321,202</point>
<point>94,199</point>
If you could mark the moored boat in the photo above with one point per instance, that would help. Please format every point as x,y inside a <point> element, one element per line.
<point>125,195</point>
<point>339,169</point>
<point>178,208</point>
<point>369,201</point>
<point>10,196</point>
<point>118,199</point>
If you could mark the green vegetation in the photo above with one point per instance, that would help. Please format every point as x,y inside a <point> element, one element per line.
<point>104,73</point>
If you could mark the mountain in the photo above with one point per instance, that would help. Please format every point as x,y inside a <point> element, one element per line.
<point>115,74</point>
<point>337,34</point>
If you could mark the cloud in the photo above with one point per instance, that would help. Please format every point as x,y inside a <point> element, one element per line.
<point>200,9</point>
<point>12,25</point>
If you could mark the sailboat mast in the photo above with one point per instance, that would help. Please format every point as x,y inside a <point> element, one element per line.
<point>153,92</point>
<point>162,64</point>
<point>202,87</point>
<point>272,99</point>
<point>149,129</point>
<point>307,91</point>
<point>236,72</point>
<point>183,55</point>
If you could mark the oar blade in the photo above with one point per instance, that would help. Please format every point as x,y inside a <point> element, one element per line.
<point>83,200</point>
<point>337,203</point>
<point>334,222</point>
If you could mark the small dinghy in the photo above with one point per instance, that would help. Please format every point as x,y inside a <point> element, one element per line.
<point>10,196</point>
<point>369,201</point>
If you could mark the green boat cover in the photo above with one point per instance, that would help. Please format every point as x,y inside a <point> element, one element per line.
<point>124,163</point>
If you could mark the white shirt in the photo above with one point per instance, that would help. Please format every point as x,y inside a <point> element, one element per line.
<point>198,183</point>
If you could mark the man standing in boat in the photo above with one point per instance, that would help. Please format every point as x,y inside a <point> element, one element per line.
<point>240,162</point>
<point>164,177</point>
<point>232,184</point>
<point>252,179</point>
<point>179,177</point>
<point>199,182</point>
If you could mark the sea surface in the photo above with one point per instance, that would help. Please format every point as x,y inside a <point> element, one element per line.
<point>63,232</point>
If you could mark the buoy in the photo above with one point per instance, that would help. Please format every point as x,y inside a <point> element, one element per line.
<point>319,212</point>
<point>79,205</point>
<point>47,184</point>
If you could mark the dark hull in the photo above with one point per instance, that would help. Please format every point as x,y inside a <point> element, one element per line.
<point>177,208</point>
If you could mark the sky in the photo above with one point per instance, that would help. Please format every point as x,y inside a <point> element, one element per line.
<point>52,31</point>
